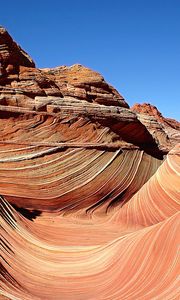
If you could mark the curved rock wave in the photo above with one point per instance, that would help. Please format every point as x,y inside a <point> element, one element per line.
<point>131,255</point>
<point>89,188</point>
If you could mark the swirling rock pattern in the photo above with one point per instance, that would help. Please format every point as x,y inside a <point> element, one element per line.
<point>89,187</point>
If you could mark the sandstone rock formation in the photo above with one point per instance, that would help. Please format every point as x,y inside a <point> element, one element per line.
<point>164,130</point>
<point>89,187</point>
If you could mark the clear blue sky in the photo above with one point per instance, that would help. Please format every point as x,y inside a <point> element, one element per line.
<point>134,44</point>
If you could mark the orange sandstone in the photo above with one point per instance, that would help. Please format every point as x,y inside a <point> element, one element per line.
<point>89,187</point>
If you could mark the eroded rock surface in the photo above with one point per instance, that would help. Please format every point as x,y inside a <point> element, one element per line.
<point>165,131</point>
<point>89,188</point>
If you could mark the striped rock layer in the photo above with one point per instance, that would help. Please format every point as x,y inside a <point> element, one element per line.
<point>89,187</point>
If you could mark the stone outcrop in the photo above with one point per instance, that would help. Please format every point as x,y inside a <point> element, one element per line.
<point>89,187</point>
<point>11,56</point>
<point>165,131</point>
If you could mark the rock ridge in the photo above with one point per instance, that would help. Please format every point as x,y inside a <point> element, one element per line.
<point>76,91</point>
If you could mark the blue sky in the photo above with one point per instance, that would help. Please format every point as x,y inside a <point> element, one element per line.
<point>134,44</point>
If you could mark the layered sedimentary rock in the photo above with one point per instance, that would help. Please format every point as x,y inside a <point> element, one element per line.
<point>165,131</point>
<point>89,192</point>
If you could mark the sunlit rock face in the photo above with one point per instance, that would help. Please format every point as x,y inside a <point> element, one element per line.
<point>165,131</point>
<point>89,187</point>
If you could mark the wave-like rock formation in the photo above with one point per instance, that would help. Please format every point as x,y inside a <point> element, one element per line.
<point>89,187</point>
